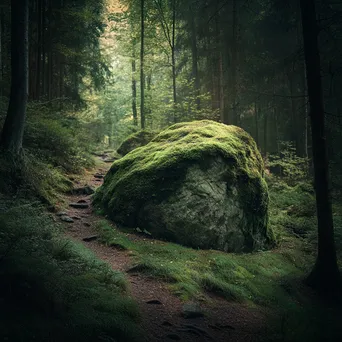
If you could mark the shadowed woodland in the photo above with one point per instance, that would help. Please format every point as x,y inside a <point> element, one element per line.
<point>170,170</point>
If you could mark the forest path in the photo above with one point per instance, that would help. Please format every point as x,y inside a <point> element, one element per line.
<point>161,311</point>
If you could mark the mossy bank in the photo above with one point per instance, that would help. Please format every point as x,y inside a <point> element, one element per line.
<point>198,183</point>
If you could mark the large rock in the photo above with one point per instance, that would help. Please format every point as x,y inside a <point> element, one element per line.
<point>135,140</point>
<point>197,183</point>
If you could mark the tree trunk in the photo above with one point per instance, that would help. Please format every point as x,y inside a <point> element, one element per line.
<point>293,117</point>
<point>265,134</point>
<point>134,88</point>
<point>256,118</point>
<point>43,45</point>
<point>234,48</point>
<point>1,63</point>
<point>173,57</point>
<point>302,119</point>
<point>302,129</point>
<point>142,76</point>
<point>39,47</point>
<point>325,275</point>
<point>13,130</point>
<point>218,62</point>
<point>194,55</point>
<point>224,117</point>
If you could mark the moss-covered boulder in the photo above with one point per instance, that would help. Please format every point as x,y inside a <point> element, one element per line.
<point>135,140</point>
<point>197,183</point>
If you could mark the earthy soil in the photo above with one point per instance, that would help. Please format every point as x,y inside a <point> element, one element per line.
<point>162,319</point>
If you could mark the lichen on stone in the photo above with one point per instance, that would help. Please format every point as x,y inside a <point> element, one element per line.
<point>197,183</point>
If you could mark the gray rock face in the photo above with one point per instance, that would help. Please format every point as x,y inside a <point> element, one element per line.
<point>204,211</point>
<point>66,218</point>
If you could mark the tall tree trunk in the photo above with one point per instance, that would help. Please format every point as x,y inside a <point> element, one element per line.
<point>219,66</point>
<point>325,275</point>
<point>294,115</point>
<point>234,48</point>
<point>39,47</point>
<point>173,57</point>
<point>142,76</point>
<point>256,120</point>
<point>265,134</point>
<point>302,121</point>
<point>13,130</point>
<point>1,58</point>
<point>43,67</point>
<point>134,87</point>
<point>224,118</point>
<point>194,55</point>
<point>50,56</point>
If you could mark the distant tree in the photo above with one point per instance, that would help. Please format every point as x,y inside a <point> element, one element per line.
<point>142,75</point>
<point>325,275</point>
<point>13,130</point>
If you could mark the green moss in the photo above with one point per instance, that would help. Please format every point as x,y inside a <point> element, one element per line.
<point>162,164</point>
<point>255,277</point>
<point>135,140</point>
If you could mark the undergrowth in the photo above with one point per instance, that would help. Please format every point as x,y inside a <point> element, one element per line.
<point>56,145</point>
<point>52,289</point>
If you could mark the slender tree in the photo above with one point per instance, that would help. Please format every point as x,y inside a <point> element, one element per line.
<point>325,275</point>
<point>169,28</point>
<point>194,55</point>
<point>13,130</point>
<point>134,85</point>
<point>1,63</point>
<point>142,76</point>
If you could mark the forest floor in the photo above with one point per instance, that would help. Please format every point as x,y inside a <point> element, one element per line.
<point>164,316</point>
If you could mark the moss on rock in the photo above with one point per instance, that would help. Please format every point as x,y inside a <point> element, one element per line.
<point>197,183</point>
<point>135,140</point>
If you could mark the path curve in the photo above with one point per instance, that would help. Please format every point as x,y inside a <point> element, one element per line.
<point>161,311</point>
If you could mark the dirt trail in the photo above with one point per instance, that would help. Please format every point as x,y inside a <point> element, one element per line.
<point>161,311</point>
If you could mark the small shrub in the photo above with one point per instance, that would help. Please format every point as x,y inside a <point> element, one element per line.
<point>288,165</point>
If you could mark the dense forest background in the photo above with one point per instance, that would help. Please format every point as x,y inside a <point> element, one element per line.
<point>99,71</point>
<point>235,62</point>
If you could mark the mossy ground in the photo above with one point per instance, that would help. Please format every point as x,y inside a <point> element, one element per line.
<point>53,289</point>
<point>255,278</point>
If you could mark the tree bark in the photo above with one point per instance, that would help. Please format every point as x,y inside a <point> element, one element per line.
<point>39,47</point>
<point>1,63</point>
<point>134,88</point>
<point>235,116</point>
<point>265,134</point>
<point>13,130</point>
<point>142,76</point>
<point>325,275</point>
<point>302,145</point>
<point>256,121</point>
<point>194,55</point>
<point>173,57</point>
